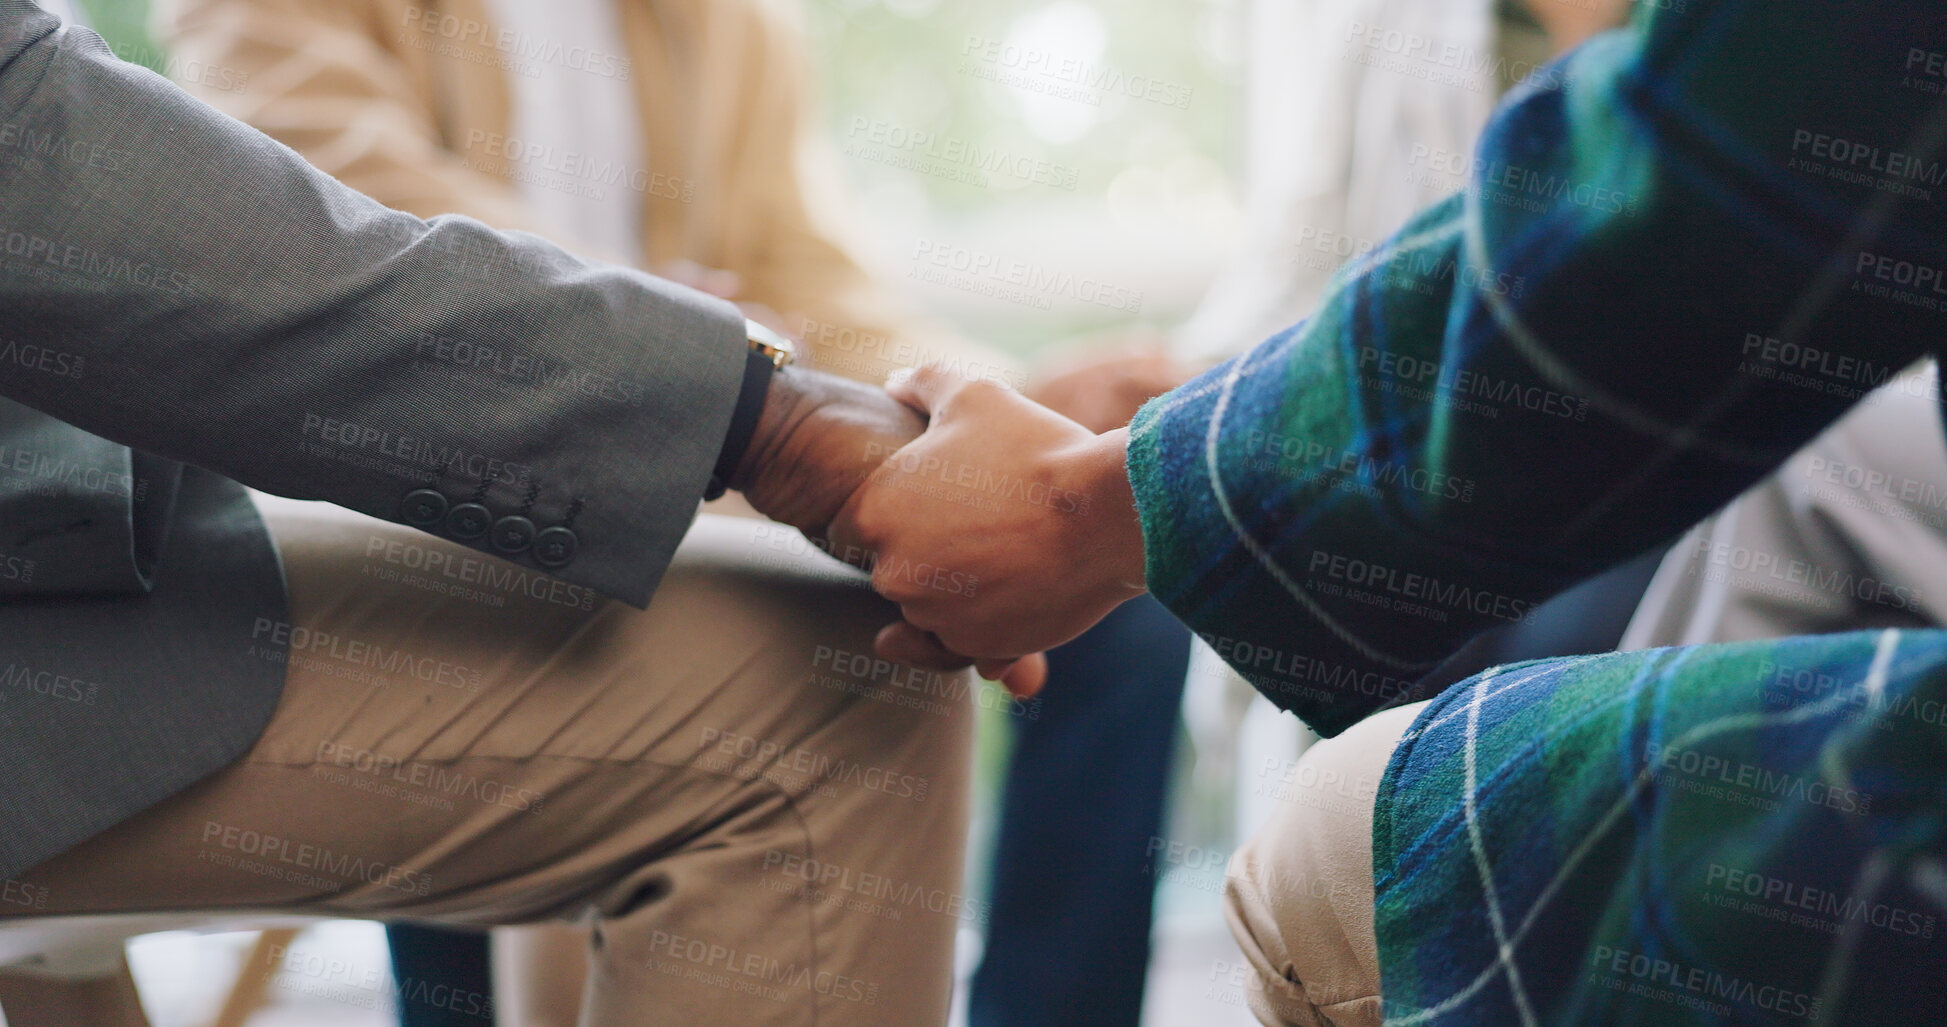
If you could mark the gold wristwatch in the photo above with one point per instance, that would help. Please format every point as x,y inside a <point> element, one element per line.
<point>778,349</point>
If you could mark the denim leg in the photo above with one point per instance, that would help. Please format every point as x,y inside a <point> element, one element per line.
<point>1068,941</point>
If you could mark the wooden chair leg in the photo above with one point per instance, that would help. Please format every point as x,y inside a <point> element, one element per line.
<point>253,981</point>
<point>35,1000</point>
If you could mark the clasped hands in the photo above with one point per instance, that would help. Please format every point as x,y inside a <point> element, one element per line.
<point>1001,528</point>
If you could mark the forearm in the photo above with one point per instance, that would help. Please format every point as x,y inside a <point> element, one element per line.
<point>1543,376</point>
<point>229,306</point>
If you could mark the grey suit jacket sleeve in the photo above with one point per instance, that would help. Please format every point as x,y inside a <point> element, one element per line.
<point>176,281</point>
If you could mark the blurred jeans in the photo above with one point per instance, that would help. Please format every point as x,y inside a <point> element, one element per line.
<point>1068,941</point>
<point>439,955</point>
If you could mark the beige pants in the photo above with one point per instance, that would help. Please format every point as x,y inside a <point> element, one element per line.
<point>764,826</point>
<point>1299,896</point>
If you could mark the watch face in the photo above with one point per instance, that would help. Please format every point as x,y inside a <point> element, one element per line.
<point>762,339</point>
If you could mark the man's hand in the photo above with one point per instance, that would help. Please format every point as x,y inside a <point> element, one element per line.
<point>1003,531</point>
<point>817,439</point>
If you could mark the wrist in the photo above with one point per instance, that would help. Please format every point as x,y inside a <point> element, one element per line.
<point>752,393</point>
<point>1115,534</point>
<point>778,411</point>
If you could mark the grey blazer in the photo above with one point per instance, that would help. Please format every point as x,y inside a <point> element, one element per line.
<point>185,305</point>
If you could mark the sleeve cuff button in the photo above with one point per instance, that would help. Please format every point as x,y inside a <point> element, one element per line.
<point>513,534</point>
<point>555,546</point>
<point>424,508</point>
<point>468,521</point>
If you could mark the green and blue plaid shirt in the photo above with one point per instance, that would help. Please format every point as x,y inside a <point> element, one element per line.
<point>1681,253</point>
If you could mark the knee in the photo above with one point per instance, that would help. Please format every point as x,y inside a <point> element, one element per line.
<point>1249,904</point>
<point>800,626</point>
<point>778,585</point>
<point>1268,976</point>
<point>1298,895</point>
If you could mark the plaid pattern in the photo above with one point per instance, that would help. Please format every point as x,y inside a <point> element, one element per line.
<point>1681,252</point>
<point>1745,834</point>
<point>1679,255</point>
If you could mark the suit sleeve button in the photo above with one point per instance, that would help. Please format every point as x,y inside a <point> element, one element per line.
<point>556,546</point>
<point>513,534</point>
<point>424,508</point>
<point>468,521</point>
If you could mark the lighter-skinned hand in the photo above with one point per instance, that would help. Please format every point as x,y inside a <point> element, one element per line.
<point>1004,530</point>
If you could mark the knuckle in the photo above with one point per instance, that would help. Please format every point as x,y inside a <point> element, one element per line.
<point>888,584</point>
<point>984,395</point>
<point>867,529</point>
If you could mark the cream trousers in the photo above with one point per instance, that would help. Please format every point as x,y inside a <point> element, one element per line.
<point>1299,896</point>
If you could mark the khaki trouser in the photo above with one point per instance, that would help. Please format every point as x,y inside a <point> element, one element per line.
<point>1299,894</point>
<point>764,826</point>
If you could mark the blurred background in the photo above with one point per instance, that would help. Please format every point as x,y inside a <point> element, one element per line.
<point>1128,113</point>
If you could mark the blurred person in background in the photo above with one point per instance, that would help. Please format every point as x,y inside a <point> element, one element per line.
<point>670,135</point>
<point>1849,534</point>
<point>1342,150</point>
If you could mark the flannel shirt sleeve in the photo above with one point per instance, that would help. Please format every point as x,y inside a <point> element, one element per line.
<point>1682,251</point>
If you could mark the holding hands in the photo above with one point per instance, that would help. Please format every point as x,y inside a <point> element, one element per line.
<point>1000,527</point>
<point>817,439</point>
<point>1004,530</point>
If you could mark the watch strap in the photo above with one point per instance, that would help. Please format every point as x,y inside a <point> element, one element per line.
<point>758,369</point>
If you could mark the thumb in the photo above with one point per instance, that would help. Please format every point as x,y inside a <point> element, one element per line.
<point>926,389</point>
